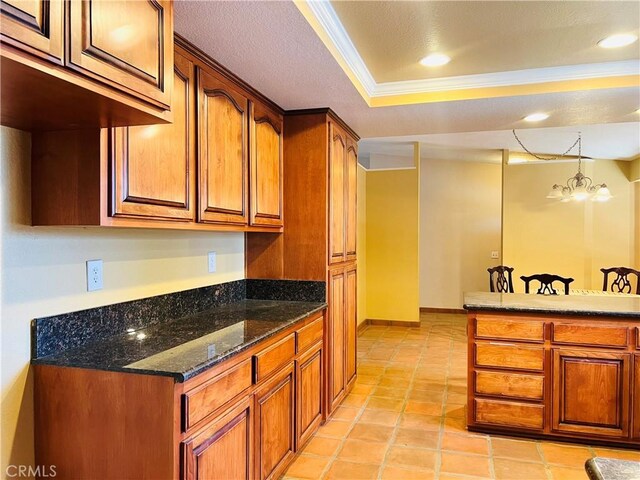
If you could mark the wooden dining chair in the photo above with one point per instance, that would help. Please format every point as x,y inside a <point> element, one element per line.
<point>546,283</point>
<point>621,284</point>
<point>503,282</point>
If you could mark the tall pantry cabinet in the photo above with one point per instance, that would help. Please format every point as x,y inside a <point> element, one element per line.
<point>319,241</point>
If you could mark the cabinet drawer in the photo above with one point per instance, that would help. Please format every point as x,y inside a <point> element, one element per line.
<point>509,414</point>
<point>509,385</point>
<point>205,399</point>
<point>601,335</point>
<point>310,334</point>
<point>272,358</point>
<point>638,337</point>
<point>496,327</point>
<point>505,355</point>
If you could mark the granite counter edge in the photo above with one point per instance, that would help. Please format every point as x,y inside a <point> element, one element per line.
<point>554,311</point>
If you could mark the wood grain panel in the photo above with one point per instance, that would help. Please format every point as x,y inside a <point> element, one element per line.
<point>351,323</point>
<point>34,26</point>
<point>337,189</point>
<point>488,326</point>
<point>509,385</point>
<point>127,44</point>
<point>636,397</point>
<point>90,409</point>
<point>309,393</point>
<point>584,334</point>
<point>153,167</point>
<point>509,414</point>
<point>270,359</point>
<point>202,401</point>
<point>336,349</point>
<point>591,392</point>
<point>509,356</point>
<point>223,155</point>
<point>266,167</point>
<point>310,334</point>
<point>224,449</point>
<point>351,199</point>
<point>275,424</point>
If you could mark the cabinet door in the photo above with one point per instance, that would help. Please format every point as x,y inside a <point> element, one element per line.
<point>153,167</point>
<point>337,206</point>
<point>266,168</point>
<point>224,449</point>
<point>127,44</point>
<point>336,331</point>
<point>308,394</point>
<point>223,155</point>
<point>351,195</point>
<point>636,396</point>
<point>274,424</point>
<point>591,392</point>
<point>34,26</point>
<point>351,322</point>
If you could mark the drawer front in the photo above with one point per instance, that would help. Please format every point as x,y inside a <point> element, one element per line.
<point>509,414</point>
<point>514,385</point>
<point>638,338</point>
<point>496,327</point>
<point>272,358</point>
<point>504,355</point>
<point>205,399</point>
<point>601,335</point>
<point>309,335</point>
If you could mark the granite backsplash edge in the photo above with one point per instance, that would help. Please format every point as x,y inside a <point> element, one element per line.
<point>54,334</point>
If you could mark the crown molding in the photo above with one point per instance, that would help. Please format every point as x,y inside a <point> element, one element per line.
<point>324,19</point>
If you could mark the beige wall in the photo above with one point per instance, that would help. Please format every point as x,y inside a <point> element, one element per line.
<point>460,205</point>
<point>392,245</point>
<point>43,273</point>
<point>361,246</point>
<point>573,239</point>
<point>637,220</point>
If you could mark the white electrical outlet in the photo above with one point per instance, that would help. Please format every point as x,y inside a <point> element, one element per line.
<point>212,262</point>
<point>94,275</point>
<point>495,254</point>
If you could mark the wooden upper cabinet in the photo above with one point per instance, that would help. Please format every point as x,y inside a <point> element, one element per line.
<point>35,26</point>
<point>153,167</point>
<point>591,392</point>
<point>223,155</point>
<point>337,190</point>
<point>224,449</point>
<point>266,167</point>
<point>351,194</point>
<point>351,323</point>
<point>127,44</point>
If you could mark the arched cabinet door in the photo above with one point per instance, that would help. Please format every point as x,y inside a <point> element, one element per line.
<point>266,167</point>
<point>153,166</point>
<point>351,195</point>
<point>126,44</point>
<point>337,190</point>
<point>223,153</point>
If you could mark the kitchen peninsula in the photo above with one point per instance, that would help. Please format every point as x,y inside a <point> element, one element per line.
<point>566,367</point>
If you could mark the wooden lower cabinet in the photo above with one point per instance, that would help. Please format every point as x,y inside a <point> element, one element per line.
<point>591,392</point>
<point>274,404</point>
<point>351,323</point>
<point>309,392</point>
<point>223,449</point>
<point>636,395</point>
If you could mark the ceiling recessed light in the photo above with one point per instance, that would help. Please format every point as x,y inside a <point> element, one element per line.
<point>536,117</point>
<point>435,60</point>
<point>618,40</point>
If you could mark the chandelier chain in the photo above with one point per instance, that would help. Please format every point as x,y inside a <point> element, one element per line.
<point>562,155</point>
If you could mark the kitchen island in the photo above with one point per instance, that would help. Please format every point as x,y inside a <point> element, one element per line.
<point>563,367</point>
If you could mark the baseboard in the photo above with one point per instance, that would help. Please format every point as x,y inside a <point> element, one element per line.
<point>441,310</point>
<point>362,327</point>
<point>392,323</point>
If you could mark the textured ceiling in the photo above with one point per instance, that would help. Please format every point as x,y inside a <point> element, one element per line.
<point>484,36</point>
<point>272,47</point>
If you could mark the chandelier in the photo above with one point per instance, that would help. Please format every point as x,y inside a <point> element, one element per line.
<point>577,188</point>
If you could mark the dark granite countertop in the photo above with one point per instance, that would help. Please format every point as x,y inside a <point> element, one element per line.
<point>600,468</point>
<point>588,305</point>
<point>187,346</point>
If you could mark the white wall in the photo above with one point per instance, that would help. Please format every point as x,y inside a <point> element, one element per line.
<point>460,222</point>
<point>43,273</point>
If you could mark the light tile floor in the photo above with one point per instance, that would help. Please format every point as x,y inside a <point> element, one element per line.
<point>405,419</point>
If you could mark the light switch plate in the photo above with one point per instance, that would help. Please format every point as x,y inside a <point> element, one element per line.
<point>212,262</point>
<point>94,275</point>
<point>495,254</point>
